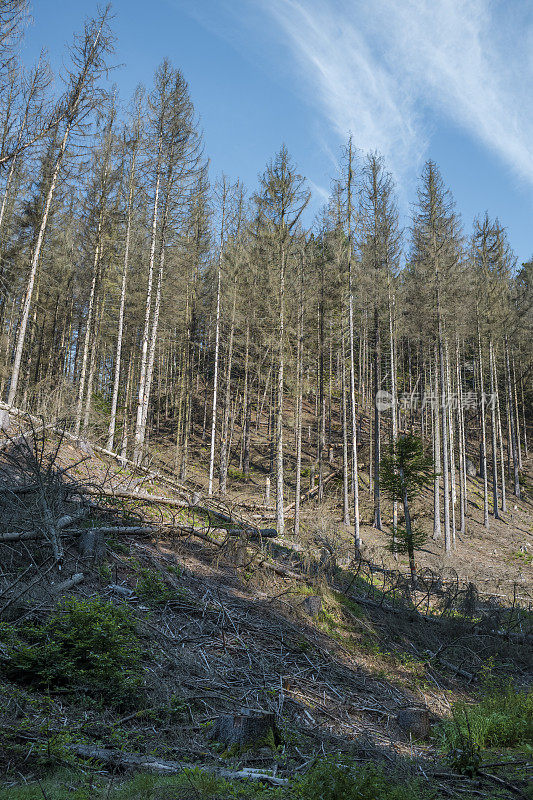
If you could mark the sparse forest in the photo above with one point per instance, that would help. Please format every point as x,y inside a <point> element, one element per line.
<point>203,378</point>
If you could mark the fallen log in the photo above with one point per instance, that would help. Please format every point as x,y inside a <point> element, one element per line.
<point>63,522</point>
<point>68,584</point>
<point>115,758</point>
<point>124,494</point>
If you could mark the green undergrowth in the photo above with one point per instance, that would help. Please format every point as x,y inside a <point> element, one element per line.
<point>85,644</point>
<point>152,588</point>
<point>328,779</point>
<point>502,718</point>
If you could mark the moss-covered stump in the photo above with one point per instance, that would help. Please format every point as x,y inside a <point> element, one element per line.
<point>249,730</point>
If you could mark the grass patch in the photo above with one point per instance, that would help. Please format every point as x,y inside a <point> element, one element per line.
<point>190,783</point>
<point>502,718</point>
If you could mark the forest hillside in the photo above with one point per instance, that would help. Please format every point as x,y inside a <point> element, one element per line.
<point>266,488</point>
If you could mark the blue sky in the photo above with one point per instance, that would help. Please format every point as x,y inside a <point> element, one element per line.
<point>415,79</point>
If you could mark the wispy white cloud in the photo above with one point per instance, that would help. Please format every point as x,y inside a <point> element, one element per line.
<point>320,194</point>
<point>386,70</point>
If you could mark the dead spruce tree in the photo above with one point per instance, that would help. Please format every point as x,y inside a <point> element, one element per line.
<point>78,102</point>
<point>434,282</point>
<point>282,198</point>
<point>174,162</point>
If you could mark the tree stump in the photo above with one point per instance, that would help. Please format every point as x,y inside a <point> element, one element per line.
<point>91,545</point>
<point>247,730</point>
<point>415,720</point>
<point>471,470</point>
<point>312,606</point>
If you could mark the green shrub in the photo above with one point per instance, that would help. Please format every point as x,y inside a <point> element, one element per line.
<point>84,644</point>
<point>152,588</point>
<point>329,779</point>
<point>502,718</point>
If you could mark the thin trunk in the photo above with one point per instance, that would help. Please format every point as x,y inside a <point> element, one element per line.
<point>377,421</point>
<point>279,398</point>
<point>15,372</point>
<point>500,436</point>
<point>118,352</point>
<point>355,471</point>
<point>394,410</point>
<point>299,370</point>
<point>88,327</point>
<point>451,441</point>
<point>461,443</point>
<point>139,433</point>
<point>247,411</point>
<point>444,428</point>
<point>512,423</point>
<point>436,451</point>
<point>493,432</point>
<point>217,347</point>
<point>345,470</point>
<point>516,414</point>
<point>224,447</point>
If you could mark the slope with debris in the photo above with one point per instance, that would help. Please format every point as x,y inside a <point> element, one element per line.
<point>217,621</point>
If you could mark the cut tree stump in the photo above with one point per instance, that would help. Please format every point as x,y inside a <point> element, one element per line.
<point>312,605</point>
<point>250,729</point>
<point>415,720</point>
<point>471,470</point>
<point>91,544</point>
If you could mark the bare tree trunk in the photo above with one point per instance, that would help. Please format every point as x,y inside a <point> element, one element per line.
<point>247,410</point>
<point>279,398</point>
<point>92,362</point>
<point>345,470</point>
<point>125,422</point>
<point>120,331</point>
<point>524,426</point>
<point>355,471</point>
<point>88,327</point>
<point>461,442</point>
<point>514,448</point>
<point>451,441</point>
<point>139,438</point>
<point>299,370</point>
<point>21,337</point>
<point>321,394</point>
<point>436,451</point>
<point>377,421</point>
<point>394,410</point>
<point>140,430</point>
<point>224,448</point>
<point>493,432</point>
<point>217,343</point>
<point>444,428</point>
<point>516,415</point>
<point>500,436</point>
